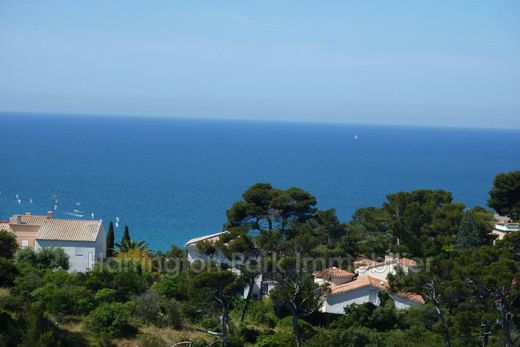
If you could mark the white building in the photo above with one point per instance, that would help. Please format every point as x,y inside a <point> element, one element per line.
<point>501,229</point>
<point>365,290</point>
<point>195,254</point>
<point>333,276</point>
<point>84,241</point>
<point>381,270</point>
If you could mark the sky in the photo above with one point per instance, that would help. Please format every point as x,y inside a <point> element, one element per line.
<point>435,63</point>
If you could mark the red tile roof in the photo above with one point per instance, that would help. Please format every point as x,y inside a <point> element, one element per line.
<point>411,296</point>
<point>361,282</point>
<point>333,272</point>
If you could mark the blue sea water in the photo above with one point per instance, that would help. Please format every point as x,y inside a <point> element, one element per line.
<point>172,179</point>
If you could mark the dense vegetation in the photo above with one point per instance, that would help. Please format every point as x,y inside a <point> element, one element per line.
<point>468,281</point>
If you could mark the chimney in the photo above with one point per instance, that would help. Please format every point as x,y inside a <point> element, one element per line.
<point>50,215</point>
<point>18,219</point>
<point>28,213</point>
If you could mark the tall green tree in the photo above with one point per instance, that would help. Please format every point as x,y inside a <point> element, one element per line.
<point>265,209</point>
<point>220,287</point>
<point>470,234</point>
<point>297,291</point>
<point>505,194</point>
<point>110,241</point>
<point>126,235</point>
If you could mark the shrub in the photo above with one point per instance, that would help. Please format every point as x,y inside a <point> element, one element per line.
<point>148,308</point>
<point>306,330</point>
<point>276,340</point>
<point>7,272</point>
<point>8,245</point>
<point>47,258</point>
<point>110,319</point>
<point>174,315</point>
<point>66,300</point>
<point>105,295</point>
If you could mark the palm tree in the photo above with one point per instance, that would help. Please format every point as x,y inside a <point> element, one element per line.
<point>127,246</point>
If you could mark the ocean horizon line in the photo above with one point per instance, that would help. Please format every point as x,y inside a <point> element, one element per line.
<point>249,120</point>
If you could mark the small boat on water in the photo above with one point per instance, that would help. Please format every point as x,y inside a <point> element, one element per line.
<point>74,214</point>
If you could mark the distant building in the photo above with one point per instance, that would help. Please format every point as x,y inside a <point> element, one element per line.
<point>504,226</point>
<point>334,276</point>
<point>194,253</point>
<point>365,290</point>
<point>84,241</point>
<point>381,270</point>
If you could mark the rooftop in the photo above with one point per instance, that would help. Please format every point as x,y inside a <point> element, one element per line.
<point>51,228</point>
<point>366,281</point>
<point>333,272</point>
<point>361,282</point>
<point>212,237</point>
<point>69,230</point>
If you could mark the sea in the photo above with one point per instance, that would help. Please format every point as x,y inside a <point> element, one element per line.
<point>170,179</point>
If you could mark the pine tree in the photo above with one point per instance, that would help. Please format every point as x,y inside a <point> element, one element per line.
<point>110,241</point>
<point>470,234</point>
<point>126,235</point>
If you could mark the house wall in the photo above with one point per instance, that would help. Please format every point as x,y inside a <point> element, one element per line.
<point>101,245</point>
<point>25,233</point>
<point>78,252</point>
<point>337,303</point>
<point>402,303</point>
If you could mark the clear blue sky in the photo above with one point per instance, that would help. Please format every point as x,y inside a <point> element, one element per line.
<point>454,63</point>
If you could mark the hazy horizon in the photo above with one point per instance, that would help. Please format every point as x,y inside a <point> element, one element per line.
<point>401,63</point>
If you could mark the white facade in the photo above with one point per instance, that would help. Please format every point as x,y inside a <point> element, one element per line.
<point>380,271</point>
<point>83,255</point>
<point>337,303</point>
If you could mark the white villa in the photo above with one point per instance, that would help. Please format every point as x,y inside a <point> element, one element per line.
<point>364,290</point>
<point>84,241</point>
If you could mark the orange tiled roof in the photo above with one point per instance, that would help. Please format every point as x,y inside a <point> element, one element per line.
<point>367,262</point>
<point>407,262</point>
<point>411,296</point>
<point>50,228</point>
<point>332,272</point>
<point>27,219</point>
<point>69,230</point>
<point>361,282</point>
<point>372,263</point>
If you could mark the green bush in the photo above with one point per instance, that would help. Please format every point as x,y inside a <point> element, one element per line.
<point>105,295</point>
<point>286,325</point>
<point>7,272</point>
<point>111,319</point>
<point>276,340</point>
<point>46,258</point>
<point>62,301</point>
<point>174,315</point>
<point>8,245</point>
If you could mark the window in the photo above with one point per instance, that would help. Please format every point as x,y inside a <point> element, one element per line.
<point>79,251</point>
<point>25,243</point>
